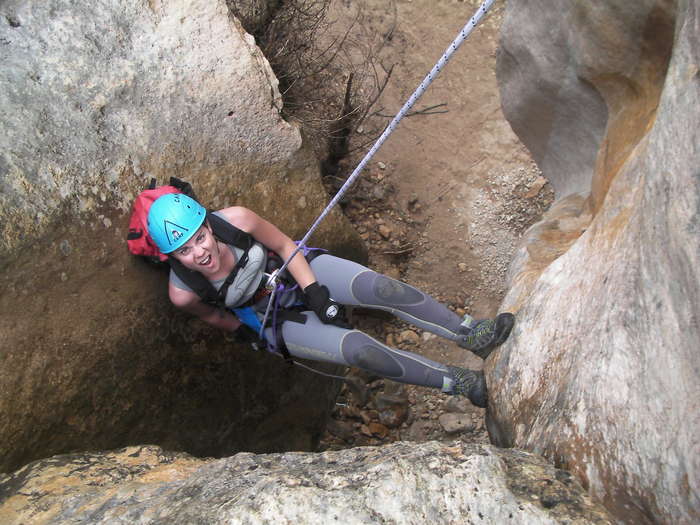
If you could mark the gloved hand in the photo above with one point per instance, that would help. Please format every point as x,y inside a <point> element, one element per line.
<point>319,300</point>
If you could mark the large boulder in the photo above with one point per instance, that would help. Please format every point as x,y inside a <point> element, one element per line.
<point>399,483</point>
<point>602,372</point>
<point>580,82</point>
<point>97,98</point>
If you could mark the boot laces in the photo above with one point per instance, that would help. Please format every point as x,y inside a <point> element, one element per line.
<point>481,333</point>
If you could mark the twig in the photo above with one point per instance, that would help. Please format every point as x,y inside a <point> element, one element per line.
<point>424,111</point>
<point>401,250</point>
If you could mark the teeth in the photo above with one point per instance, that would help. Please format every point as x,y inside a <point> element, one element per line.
<point>206,261</point>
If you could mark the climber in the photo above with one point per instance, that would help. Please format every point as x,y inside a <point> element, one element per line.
<point>183,230</point>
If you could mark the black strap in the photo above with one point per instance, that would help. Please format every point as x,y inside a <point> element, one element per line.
<point>285,315</point>
<point>228,233</point>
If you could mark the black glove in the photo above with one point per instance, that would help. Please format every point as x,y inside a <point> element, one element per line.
<point>319,300</point>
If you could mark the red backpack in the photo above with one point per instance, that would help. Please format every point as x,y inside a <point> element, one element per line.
<point>138,240</point>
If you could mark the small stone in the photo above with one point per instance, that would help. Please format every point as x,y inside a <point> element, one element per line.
<point>364,429</point>
<point>381,165</point>
<point>385,231</point>
<point>366,418</point>
<point>427,336</point>
<point>410,337</point>
<point>392,409</point>
<point>107,222</point>
<point>65,247</point>
<point>379,430</point>
<point>64,277</point>
<point>462,267</point>
<point>379,193</point>
<point>536,187</point>
<point>453,423</point>
<point>360,392</point>
<point>457,404</point>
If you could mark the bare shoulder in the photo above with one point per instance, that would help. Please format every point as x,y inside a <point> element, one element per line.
<point>240,217</point>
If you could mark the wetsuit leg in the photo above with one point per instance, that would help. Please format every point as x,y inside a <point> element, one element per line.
<point>353,284</point>
<point>329,343</point>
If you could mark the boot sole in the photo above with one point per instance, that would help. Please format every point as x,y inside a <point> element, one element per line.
<point>479,394</point>
<point>504,324</point>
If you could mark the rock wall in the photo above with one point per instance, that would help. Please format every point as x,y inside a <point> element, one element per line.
<point>580,83</point>
<point>399,483</point>
<point>602,372</point>
<point>97,99</point>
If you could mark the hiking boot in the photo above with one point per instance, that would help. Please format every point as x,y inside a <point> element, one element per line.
<point>469,383</point>
<point>481,337</point>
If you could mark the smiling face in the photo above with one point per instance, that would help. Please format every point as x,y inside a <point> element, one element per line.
<point>201,253</point>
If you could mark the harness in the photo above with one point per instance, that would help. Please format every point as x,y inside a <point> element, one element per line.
<point>283,284</point>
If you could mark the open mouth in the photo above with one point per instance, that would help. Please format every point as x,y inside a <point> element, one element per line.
<point>205,261</point>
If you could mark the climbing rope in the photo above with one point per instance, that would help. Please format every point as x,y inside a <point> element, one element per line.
<point>461,37</point>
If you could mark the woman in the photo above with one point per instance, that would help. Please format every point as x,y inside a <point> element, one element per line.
<point>182,229</point>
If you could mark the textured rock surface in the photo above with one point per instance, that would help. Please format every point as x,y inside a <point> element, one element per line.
<point>602,372</point>
<point>96,99</point>
<point>399,483</point>
<point>581,82</point>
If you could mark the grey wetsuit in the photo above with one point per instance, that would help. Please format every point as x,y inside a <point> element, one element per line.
<point>353,284</point>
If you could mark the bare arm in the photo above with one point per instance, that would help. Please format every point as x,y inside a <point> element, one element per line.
<point>268,234</point>
<point>190,302</point>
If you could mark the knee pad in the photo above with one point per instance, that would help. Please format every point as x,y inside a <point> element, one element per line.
<point>373,289</point>
<point>362,351</point>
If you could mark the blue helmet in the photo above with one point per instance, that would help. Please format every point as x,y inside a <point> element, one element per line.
<point>173,219</point>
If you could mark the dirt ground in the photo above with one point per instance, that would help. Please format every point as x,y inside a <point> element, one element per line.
<point>442,205</point>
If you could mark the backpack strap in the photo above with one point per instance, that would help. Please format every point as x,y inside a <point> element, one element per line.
<point>229,234</point>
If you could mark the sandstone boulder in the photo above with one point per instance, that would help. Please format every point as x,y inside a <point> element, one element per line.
<point>580,83</point>
<point>96,99</point>
<point>602,372</point>
<point>399,483</point>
